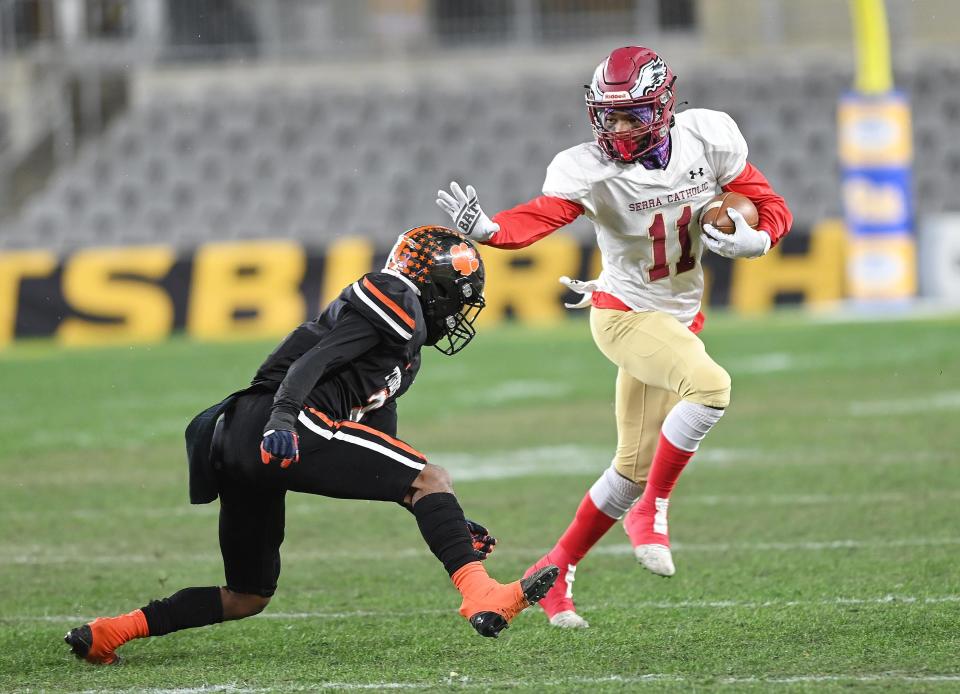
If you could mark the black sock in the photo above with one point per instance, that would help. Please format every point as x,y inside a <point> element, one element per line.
<point>190,607</point>
<point>443,526</point>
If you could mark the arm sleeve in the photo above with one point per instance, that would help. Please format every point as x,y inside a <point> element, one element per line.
<point>530,221</point>
<point>775,216</point>
<point>351,336</point>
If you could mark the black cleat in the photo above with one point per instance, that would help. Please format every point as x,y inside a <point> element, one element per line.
<point>80,640</point>
<point>534,587</point>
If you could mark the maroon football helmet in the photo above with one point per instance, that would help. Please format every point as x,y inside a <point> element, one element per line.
<point>637,81</point>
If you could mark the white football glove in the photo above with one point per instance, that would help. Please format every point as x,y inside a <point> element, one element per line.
<point>585,289</point>
<point>744,242</point>
<point>465,211</point>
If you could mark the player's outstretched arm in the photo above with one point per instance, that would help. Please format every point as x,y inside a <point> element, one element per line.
<point>515,228</point>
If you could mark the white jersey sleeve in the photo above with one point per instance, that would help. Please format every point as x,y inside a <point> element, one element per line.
<point>724,146</point>
<point>571,175</point>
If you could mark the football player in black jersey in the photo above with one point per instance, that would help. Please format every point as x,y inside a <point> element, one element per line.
<point>320,417</point>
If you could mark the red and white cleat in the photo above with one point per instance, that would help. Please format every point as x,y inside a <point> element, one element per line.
<point>558,602</point>
<point>648,533</point>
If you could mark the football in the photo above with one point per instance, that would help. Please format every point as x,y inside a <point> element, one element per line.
<point>715,211</point>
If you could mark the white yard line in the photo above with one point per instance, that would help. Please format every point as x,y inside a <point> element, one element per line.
<point>885,600</point>
<point>947,400</point>
<point>456,681</point>
<point>771,362</point>
<point>511,391</point>
<point>302,506</point>
<point>36,556</point>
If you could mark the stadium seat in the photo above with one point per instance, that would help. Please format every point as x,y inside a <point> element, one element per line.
<point>316,165</point>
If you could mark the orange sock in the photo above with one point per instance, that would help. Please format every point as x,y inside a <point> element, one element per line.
<point>109,633</point>
<point>126,627</point>
<point>472,579</point>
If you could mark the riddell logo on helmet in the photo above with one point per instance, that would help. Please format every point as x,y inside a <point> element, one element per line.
<point>464,259</point>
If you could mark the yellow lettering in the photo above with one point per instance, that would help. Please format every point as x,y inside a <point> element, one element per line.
<point>246,289</point>
<point>346,259</point>
<point>14,267</point>
<point>526,280</point>
<point>98,282</point>
<point>819,273</point>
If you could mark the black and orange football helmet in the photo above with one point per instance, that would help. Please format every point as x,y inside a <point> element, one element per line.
<point>448,274</point>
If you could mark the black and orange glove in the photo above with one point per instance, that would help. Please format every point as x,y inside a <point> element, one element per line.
<point>280,445</point>
<point>483,541</point>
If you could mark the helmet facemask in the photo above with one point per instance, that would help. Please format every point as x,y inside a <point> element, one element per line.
<point>450,312</point>
<point>655,114</point>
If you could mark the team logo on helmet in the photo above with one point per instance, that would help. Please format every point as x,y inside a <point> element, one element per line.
<point>464,259</point>
<point>652,76</point>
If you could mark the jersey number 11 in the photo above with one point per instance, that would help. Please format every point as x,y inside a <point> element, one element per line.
<point>658,232</point>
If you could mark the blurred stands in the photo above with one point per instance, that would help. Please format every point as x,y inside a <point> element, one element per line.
<point>281,162</point>
<point>177,163</point>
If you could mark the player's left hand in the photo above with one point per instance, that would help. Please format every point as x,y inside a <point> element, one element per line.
<point>744,242</point>
<point>483,542</point>
<point>280,445</point>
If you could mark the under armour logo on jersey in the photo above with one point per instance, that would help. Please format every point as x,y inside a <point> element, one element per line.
<point>694,174</point>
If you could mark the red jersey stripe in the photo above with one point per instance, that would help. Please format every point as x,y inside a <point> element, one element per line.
<point>604,300</point>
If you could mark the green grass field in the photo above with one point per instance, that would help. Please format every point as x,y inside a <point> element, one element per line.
<point>817,533</point>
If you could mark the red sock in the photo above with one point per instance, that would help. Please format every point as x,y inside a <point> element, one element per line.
<point>643,524</point>
<point>585,530</point>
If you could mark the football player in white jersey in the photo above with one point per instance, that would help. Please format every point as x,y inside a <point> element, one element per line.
<point>643,183</point>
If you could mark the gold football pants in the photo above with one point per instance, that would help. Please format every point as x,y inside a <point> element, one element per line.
<point>660,362</point>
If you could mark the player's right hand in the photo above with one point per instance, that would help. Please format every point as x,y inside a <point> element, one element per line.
<point>464,210</point>
<point>280,445</point>
<point>483,541</point>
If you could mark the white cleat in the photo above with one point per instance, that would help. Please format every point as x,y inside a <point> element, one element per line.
<point>568,619</point>
<point>655,559</point>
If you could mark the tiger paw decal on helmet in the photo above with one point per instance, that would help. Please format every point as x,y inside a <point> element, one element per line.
<point>464,259</point>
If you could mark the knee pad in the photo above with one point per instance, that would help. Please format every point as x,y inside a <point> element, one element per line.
<point>710,386</point>
<point>613,494</point>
